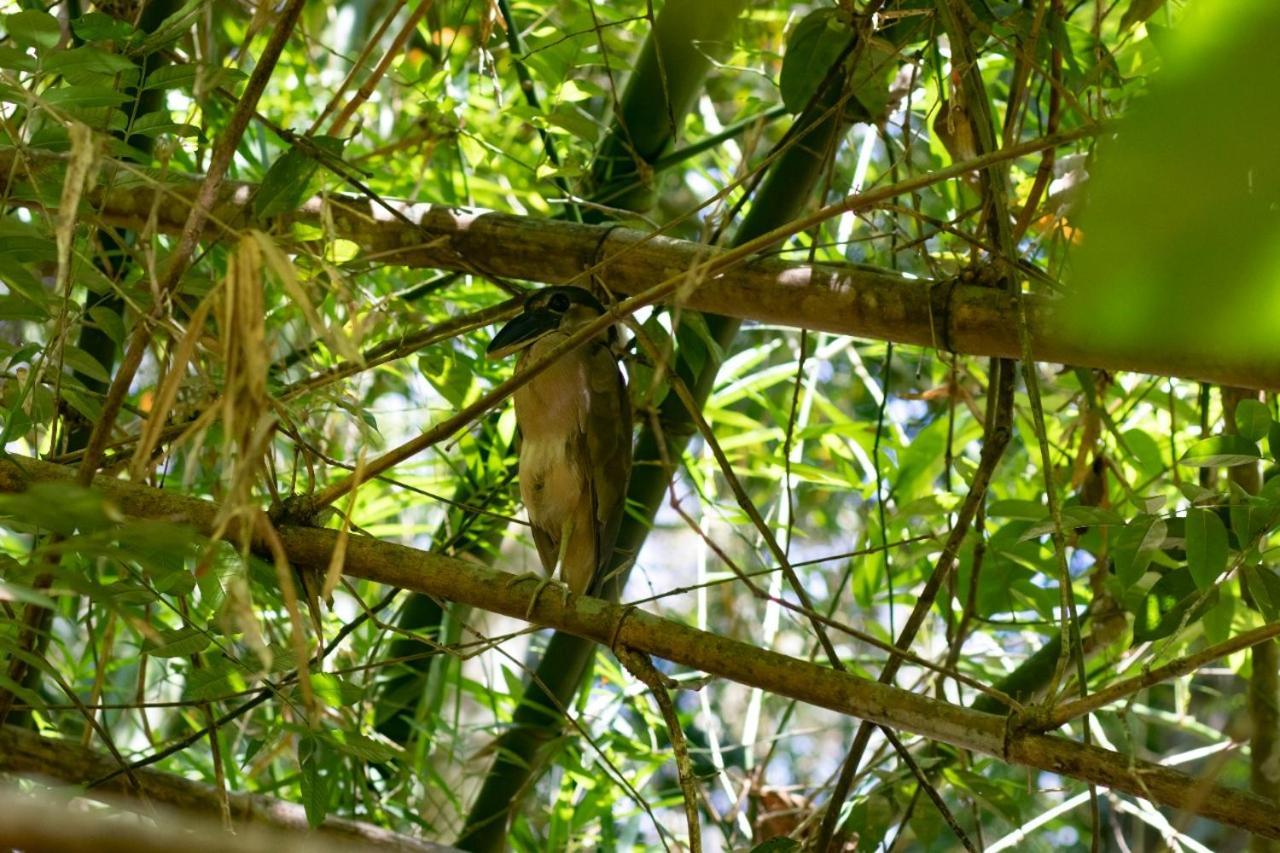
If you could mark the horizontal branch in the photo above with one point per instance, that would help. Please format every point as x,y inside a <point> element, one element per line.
<point>48,822</point>
<point>953,316</point>
<point>25,753</point>
<point>437,575</point>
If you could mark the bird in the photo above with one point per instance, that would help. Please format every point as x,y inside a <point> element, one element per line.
<point>574,420</point>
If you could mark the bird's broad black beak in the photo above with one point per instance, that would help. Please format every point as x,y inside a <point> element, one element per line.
<point>521,332</point>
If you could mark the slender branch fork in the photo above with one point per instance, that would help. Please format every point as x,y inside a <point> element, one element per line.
<point>613,625</point>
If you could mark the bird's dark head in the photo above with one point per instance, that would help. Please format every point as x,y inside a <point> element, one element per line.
<point>563,307</point>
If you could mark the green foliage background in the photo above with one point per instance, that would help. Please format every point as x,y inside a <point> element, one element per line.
<point>855,452</point>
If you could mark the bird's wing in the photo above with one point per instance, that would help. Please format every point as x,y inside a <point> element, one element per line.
<point>608,439</point>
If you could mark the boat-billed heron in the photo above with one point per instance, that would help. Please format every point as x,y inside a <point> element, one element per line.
<point>575,430</point>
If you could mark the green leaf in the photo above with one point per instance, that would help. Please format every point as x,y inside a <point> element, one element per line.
<point>221,678</point>
<point>89,64</point>
<point>359,746</point>
<point>1206,546</point>
<point>1135,545</point>
<point>23,594</point>
<point>154,124</point>
<point>83,97</point>
<point>812,49</point>
<point>1273,440</point>
<point>97,26</point>
<point>1252,419</point>
<point>83,363</point>
<point>33,28</point>
<point>315,788</point>
<point>182,76</point>
<point>1156,273</point>
<point>16,59</point>
<point>288,180</point>
<point>874,69</point>
<point>447,373</point>
<point>1173,602</point>
<point>1217,619</point>
<point>109,322</point>
<point>285,185</point>
<point>178,643</point>
<point>62,508</point>
<point>334,691</point>
<point>171,29</point>
<point>1264,586</point>
<point>1221,450</point>
<point>1139,11</point>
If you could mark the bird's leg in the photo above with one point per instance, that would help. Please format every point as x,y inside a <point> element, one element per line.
<point>566,530</point>
<point>543,582</point>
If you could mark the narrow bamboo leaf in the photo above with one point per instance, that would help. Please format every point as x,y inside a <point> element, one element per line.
<point>315,788</point>
<point>359,746</point>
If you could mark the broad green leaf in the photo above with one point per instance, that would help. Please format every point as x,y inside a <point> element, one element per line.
<point>1264,587</point>
<point>1172,603</point>
<point>83,97</point>
<point>1206,537</point>
<point>288,180</point>
<point>109,322</point>
<point>153,124</point>
<point>33,28</point>
<point>81,362</point>
<point>335,691</point>
<point>1253,420</point>
<point>180,642</point>
<point>182,76</point>
<point>1135,545</point>
<point>16,59</point>
<point>813,47</point>
<point>1217,619</point>
<point>89,64</point>
<point>97,26</point>
<point>1221,450</point>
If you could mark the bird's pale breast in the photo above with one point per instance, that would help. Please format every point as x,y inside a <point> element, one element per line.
<point>552,411</point>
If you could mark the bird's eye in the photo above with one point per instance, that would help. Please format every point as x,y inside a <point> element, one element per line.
<point>559,302</point>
